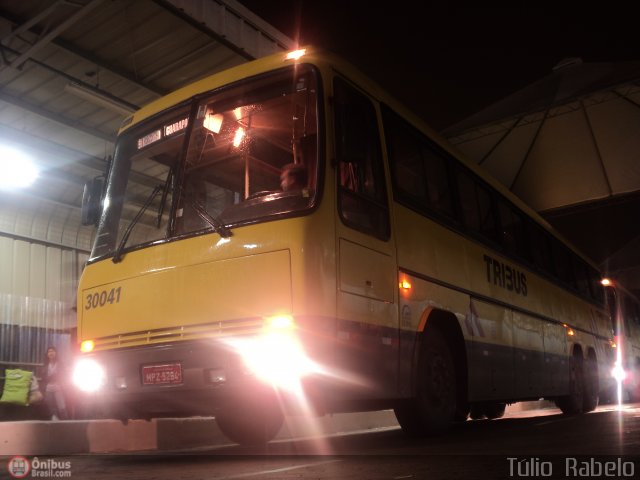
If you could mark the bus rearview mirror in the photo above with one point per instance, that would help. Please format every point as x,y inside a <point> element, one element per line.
<point>92,201</point>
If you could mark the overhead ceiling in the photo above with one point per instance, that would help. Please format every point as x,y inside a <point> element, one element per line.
<point>569,146</point>
<point>72,70</point>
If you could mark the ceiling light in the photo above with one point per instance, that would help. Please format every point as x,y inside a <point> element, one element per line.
<point>213,122</point>
<point>100,98</point>
<point>18,170</point>
<point>237,139</point>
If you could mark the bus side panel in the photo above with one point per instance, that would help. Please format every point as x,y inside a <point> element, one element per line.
<point>555,359</point>
<point>514,326</point>
<point>491,363</point>
<point>529,356</point>
<point>606,353</point>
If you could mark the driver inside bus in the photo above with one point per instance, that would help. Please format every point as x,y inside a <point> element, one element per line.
<point>293,177</point>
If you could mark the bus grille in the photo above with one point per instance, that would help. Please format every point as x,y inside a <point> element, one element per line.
<point>226,328</point>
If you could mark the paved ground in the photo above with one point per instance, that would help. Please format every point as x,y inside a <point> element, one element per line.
<point>523,444</point>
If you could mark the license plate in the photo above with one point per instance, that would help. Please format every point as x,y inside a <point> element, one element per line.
<point>169,373</point>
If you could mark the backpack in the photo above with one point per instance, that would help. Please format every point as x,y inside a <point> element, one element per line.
<point>17,384</point>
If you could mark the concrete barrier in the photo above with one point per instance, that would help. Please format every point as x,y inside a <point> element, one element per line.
<point>112,436</point>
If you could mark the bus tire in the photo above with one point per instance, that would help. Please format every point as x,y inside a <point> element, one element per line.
<point>488,410</point>
<point>591,385</point>
<point>573,403</point>
<point>477,412</point>
<point>462,413</point>
<point>433,408</point>
<point>494,410</point>
<point>249,423</point>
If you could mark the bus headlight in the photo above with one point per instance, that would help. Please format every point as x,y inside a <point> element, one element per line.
<point>618,372</point>
<point>88,375</point>
<point>276,356</point>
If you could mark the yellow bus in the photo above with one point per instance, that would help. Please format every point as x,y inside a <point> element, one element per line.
<point>395,275</point>
<point>625,316</point>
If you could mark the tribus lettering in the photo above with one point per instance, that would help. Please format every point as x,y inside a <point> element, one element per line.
<point>505,276</point>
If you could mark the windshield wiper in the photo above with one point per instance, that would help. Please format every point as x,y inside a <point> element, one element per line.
<point>117,256</point>
<point>216,224</point>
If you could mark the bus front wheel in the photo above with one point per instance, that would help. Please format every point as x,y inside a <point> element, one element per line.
<point>433,408</point>
<point>249,423</point>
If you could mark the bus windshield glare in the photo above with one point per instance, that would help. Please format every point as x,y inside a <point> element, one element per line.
<point>220,160</point>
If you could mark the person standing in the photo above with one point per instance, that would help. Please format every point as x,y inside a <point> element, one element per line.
<point>53,383</point>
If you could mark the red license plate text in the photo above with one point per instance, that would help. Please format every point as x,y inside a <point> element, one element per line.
<point>162,374</point>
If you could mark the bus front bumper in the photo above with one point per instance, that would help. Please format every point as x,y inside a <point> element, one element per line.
<point>182,379</point>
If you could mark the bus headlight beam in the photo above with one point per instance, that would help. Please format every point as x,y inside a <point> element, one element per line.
<point>88,375</point>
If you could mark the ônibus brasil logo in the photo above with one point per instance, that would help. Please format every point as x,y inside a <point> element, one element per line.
<point>19,467</point>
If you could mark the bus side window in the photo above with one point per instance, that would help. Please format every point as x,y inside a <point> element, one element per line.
<point>542,255</point>
<point>582,277</point>
<point>597,291</point>
<point>438,186</point>
<point>407,167</point>
<point>514,238</point>
<point>476,206</point>
<point>564,266</point>
<point>362,196</point>
<point>419,169</point>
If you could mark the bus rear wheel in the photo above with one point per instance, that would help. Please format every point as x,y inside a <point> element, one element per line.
<point>495,410</point>
<point>250,423</point>
<point>573,403</point>
<point>591,385</point>
<point>433,408</point>
<point>488,410</point>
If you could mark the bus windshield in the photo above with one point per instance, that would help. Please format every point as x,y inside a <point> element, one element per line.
<point>221,160</point>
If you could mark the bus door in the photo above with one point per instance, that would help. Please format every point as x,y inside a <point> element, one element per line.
<point>367,326</point>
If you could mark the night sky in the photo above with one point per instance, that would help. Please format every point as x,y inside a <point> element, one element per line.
<point>446,62</point>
